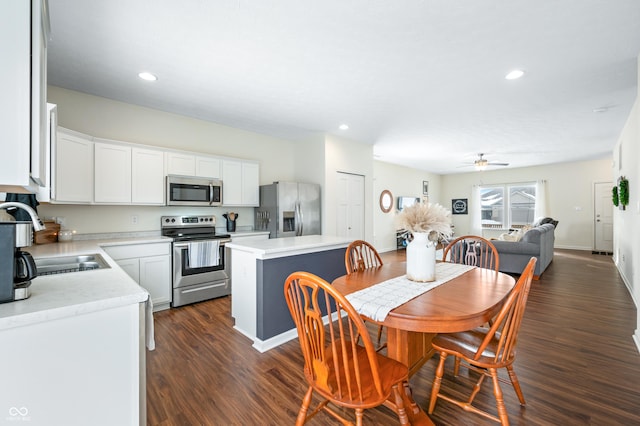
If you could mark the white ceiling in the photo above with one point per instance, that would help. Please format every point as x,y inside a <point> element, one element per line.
<point>421,80</point>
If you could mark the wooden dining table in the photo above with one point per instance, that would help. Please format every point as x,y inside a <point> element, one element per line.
<point>462,303</point>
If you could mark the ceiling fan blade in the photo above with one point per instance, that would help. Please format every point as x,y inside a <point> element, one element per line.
<point>497,164</point>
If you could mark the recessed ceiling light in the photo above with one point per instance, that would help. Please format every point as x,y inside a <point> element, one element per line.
<point>344,127</point>
<point>147,76</point>
<point>515,74</point>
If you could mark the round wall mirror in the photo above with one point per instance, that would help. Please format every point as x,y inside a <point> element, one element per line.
<point>386,201</point>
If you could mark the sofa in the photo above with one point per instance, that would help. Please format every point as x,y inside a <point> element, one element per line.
<point>537,241</point>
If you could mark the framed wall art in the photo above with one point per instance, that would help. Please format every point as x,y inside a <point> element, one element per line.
<point>425,187</point>
<point>459,206</point>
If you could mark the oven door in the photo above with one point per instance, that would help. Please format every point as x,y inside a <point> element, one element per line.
<point>197,284</point>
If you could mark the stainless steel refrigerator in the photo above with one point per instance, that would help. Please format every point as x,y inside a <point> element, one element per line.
<point>289,209</point>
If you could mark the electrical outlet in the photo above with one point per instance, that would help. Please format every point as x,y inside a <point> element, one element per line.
<point>134,219</point>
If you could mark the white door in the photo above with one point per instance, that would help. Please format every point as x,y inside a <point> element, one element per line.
<point>350,219</point>
<point>603,217</point>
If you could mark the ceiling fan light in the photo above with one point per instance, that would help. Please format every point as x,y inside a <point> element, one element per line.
<point>481,165</point>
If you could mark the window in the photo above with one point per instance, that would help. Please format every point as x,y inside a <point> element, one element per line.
<point>507,206</point>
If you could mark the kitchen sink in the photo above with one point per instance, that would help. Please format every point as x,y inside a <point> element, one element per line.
<point>66,264</point>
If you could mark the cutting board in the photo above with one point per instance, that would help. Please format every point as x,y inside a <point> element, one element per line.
<point>47,235</point>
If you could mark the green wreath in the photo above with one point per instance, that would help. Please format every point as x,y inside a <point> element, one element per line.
<point>614,196</point>
<point>623,189</point>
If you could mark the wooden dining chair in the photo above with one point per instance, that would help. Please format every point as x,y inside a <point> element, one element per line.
<point>485,350</point>
<point>472,250</point>
<point>337,368</point>
<point>361,255</point>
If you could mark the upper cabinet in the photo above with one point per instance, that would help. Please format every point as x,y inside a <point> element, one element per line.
<point>181,164</point>
<point>193,165</point>
<point>128,174</point>
<point>24,31</point>
<point>210,167</point>
<point>72,159</point>
<point>112,173</point>
<point>241,181</point>
<point>89,170</point>
<point>147,176</point>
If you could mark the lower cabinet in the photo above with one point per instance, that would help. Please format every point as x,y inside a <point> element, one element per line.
<point>150,266</point>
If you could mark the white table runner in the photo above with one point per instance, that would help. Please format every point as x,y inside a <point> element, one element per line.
<point>377,301</point>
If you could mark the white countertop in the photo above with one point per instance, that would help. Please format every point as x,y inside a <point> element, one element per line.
<point>283,247</point>
<point>76,293</point>
<point>248,233</point>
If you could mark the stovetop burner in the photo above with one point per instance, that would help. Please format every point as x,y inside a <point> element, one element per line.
<point>190,228</point>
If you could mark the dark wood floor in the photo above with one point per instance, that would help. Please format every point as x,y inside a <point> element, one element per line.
<point>577,362</point>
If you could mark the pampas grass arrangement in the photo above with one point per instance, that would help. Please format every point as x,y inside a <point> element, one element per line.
<point>426,217</point>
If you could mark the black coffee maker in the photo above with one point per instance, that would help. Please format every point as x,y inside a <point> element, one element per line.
<point>17,267</point>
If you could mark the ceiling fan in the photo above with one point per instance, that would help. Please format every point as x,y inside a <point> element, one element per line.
<point>482,163</point>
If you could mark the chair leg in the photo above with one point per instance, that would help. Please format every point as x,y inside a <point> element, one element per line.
<point>515,383</point>
<point>359,413</point>
<point>397,390</point>
<point>304,408</point>
<point>437,381</point>
<point>379,334</point>
<point>456,367</point>
<point>502,410</point>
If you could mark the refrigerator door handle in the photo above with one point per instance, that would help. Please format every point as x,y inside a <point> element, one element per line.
<point>300,220</point>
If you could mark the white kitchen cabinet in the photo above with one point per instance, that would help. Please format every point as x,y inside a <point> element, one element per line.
<point>72,157</point>
<point>193,165</point>
<point>150,266</point>
<point>208,167</point>
<point>112,173</point>
<point>250,184</point>
<point>95,359</point>
<point>181,164</point>
<point>241,181</point>
<point>147,176</point>
<point>24,31</point>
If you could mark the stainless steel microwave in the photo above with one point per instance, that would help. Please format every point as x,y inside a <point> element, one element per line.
<point>193,191</point>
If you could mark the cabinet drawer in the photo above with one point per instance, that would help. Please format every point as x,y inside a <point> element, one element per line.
<point>138,250</point>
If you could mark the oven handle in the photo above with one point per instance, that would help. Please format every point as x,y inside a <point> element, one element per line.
<point>185,245</point>
<point>202,288</point>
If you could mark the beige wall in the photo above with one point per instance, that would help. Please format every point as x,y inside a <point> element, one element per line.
<point>343,155</point>
<point>627,222</point>
<point>569,188</point>
<point>105,118</point>
<point>401,181</point>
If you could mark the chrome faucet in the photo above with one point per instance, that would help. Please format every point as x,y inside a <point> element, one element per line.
<point>37,223</point>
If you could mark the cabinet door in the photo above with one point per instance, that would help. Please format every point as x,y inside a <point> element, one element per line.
<point>15,103</point>
<point>131,267</point>
<point>155,277</point>
<point>232,182</point>
<point>208,167</point>
<point>112,173</point>
<point>147,176</point>
<point>39,142</point>
<point>250,184</point>
<point>73,169</point>
<point>181,164</point>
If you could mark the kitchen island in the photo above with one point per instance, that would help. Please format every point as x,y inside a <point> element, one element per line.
<point>74,351</point>
<point>260,268</point>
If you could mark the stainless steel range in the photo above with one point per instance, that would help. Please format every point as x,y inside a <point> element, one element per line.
<point>200,270</point>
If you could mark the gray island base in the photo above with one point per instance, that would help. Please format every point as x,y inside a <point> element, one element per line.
<point>259,269</point>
